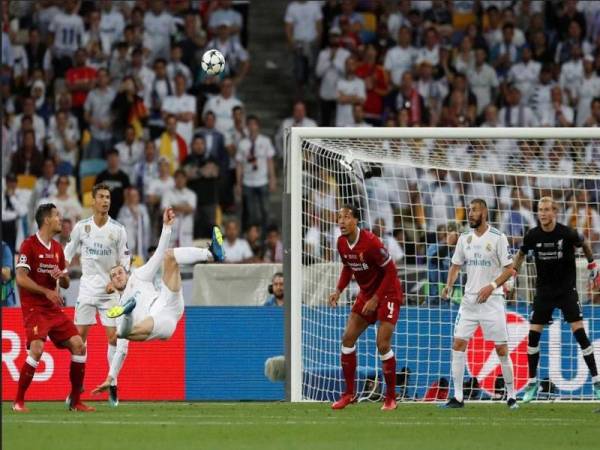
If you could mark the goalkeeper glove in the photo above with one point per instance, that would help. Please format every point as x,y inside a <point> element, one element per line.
<point>594,274</point>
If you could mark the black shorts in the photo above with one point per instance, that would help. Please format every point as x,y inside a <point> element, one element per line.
<point>543,307</point>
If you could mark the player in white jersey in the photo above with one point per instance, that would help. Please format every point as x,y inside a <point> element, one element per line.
<point>146,313</point>
<point>485,252</point>
<point>102,243</point>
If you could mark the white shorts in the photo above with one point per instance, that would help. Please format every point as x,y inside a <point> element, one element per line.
<point>87,307</point>
<point>491,315</point>
<point>166,312</point>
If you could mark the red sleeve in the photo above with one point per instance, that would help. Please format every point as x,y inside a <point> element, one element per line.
<point>345,278</point>
<point>61,257</point>
<point>25,255</point>
<point>388,281</point>
<point>377,254</point>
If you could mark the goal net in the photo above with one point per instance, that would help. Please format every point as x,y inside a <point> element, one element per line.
<point>413,187</point>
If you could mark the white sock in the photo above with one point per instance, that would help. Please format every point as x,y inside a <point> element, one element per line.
<point>124,326</point>
<point>118,359</point>
<point>508,375</point>
<point>191,255</point>
<point>110,353</point>
<point>458,373</point>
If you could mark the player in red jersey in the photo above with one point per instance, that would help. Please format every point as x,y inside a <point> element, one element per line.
<point>40,270</point>
<point>379,299</point>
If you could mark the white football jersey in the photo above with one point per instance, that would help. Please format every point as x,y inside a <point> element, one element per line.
<point>484,256</point>
<point>101,249</point>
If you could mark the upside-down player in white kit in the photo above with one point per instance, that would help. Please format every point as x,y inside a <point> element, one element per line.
<point>146,313</point>
<point>102,243</point>
<point>485,252</point>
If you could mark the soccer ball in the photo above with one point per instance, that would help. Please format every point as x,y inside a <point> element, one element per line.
<point>213,62</point>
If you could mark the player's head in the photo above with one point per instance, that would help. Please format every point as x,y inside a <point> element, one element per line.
<point>348,217</point>
<point>101,198</point>
<point>119,277</point>
<point>478,212</point>
<point>48,218</point>
<point>546,211</point>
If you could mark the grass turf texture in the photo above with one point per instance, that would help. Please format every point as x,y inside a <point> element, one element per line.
<point>314,426</point>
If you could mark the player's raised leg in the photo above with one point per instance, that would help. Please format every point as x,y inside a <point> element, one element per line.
<point>354,328</point>
<point>388,363</point>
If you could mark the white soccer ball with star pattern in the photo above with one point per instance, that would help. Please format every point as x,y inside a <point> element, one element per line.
<point>213,62</point>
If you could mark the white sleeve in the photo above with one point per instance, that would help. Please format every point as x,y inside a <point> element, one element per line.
<point>247,253</point>
<point>503,250</point>
<point>124,254</point>
<point>74,244</point>
<point>459,254</point>
<point>323,63</point>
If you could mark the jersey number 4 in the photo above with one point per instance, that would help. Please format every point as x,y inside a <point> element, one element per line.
<point>391,310</point>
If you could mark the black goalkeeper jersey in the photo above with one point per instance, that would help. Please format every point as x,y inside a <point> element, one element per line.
<point>554,253</point>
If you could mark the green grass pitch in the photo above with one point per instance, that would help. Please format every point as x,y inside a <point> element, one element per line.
<point>314,426</point>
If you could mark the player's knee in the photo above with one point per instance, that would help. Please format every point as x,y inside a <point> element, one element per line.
<point>383,347</point>
<point>347,340</point>
<point>77,346</point>
<point>502,350</point>
<point>112,339</point>
<point>36,349</point>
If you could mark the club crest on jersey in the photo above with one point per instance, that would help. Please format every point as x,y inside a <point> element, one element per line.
<point>469,239</point>
<point>488,247</point>
<point>87,228</point>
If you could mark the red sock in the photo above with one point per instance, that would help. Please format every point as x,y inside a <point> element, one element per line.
<point>25,377</point>
<point>389,373</point>
<point>76,374</point>
<point>349,369</point>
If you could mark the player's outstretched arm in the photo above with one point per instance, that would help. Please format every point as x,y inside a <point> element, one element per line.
<point>148,270</point>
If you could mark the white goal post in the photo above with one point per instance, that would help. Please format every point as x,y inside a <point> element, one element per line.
<point>397,176</point>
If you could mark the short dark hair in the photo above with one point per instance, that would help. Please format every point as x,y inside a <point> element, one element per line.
<point>43,211</point>
<point>112,151</point>
<point>99,187</point>
<point>479,201</point>
<point>276,274</point>
<point>252,117</point>
<point>179,172</point>
<point>353,209</point>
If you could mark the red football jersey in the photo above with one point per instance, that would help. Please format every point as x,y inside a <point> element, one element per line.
<point>40,260</point>
<point>367,259</point>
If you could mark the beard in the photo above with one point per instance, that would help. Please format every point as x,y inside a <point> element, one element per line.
<point>475,223</point>
<point>278,296</point>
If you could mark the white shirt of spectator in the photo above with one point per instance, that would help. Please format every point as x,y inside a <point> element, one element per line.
<point>58,142</point>
<point>101,249</point>
<point>129,155</point>
<point>158,31</point>
<point>398,60</point>
<point>395,21</point>
<point>330,71</point>
<point>393,248</point>
<point>180,104</point>
<point>39,127</point>
<point>138,226</point>
<point>228,16</point>
<point>69,208</point>
<point>517,116</point>
<point>496,37</point>
<point>20,62</point>
<point>97,103</point>
<point>263,151</point>
<point>146,76</point>
<point>343,113</point>
<point>112,25</point>
<point>586,91</point>
<point>541,98</point>
<point>238,251</point>
<point>482,80</point>
<point>223,110</point>
<point>564,167</point>
<point>549,116</point>
<point>429,54</point>
<point>485,257</point>
<point>147,171</point>
<point>68,33</point>
<point>525,77</point>
<point>571,76</point>
<point>183,229</point>
<point>289,123</point>
<point>159,187</point>
<point>303,16</point>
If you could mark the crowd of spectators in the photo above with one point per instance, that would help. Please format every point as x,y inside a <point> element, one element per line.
<point>112,91</point>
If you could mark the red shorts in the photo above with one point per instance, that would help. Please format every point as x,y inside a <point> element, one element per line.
<point>388,309</point>
<point>52,323</point>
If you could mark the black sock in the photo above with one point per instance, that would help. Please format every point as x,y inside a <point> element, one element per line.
<point>587,350</point>
<point>533,352</point>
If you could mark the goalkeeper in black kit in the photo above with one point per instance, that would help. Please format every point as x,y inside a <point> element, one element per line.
<point>553,246</point>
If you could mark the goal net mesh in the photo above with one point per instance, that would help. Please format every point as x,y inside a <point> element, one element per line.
<point>414,194</point>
